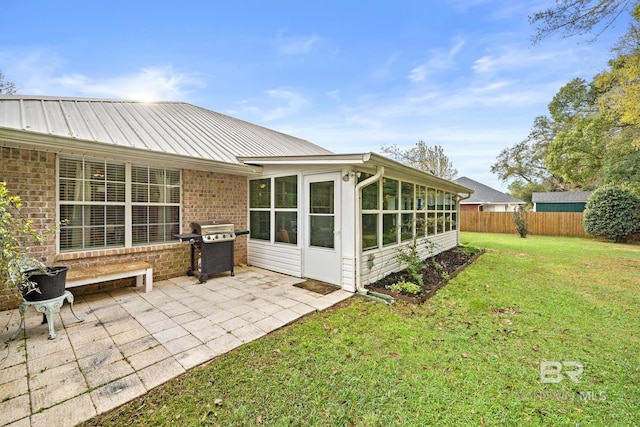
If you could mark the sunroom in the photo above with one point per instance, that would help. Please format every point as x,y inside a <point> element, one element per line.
<point>342,218</point>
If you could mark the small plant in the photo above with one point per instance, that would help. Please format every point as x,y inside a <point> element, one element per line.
<point>519,216</point>
<point>405,287</point>
<point>467,250</point>
<point>410,256</point>
<point>17,234</point>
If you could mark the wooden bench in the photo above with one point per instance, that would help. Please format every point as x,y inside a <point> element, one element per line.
<point>142,271</point>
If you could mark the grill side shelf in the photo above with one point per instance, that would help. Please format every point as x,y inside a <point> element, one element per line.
<point>187,236</point>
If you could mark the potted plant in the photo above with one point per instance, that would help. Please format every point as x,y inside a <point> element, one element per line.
<point>25,273</point>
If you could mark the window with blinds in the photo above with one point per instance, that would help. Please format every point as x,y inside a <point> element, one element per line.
<point>95,195</point>
<point>155,204</point>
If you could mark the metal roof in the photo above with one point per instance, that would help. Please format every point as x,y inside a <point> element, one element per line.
<point>484,194</point>
<point>560,196</point>
<point>175,128</point>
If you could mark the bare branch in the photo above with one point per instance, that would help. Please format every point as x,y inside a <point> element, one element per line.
<point>577,17</point>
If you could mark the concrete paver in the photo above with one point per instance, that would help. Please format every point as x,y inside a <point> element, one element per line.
<point>131,341</point>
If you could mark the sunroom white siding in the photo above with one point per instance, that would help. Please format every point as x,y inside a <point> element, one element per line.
<point>378,263</point>
<point>285,259</point>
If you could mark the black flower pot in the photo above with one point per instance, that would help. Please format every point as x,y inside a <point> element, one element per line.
<point>50,284</point>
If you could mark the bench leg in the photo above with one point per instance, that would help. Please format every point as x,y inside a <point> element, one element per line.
<point>149,280</point>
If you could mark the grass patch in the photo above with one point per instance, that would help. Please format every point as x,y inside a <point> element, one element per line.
<point>469,356</point>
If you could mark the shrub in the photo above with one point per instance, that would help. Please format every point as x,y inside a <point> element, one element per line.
<point>519,216</point>
<point>612,212</point>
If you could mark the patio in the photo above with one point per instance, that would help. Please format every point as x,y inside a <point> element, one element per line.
<point>131,342</point>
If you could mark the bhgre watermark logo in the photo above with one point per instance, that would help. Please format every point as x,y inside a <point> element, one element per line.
<point>554,372</point>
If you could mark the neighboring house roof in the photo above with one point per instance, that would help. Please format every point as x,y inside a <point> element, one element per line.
<point>174,128</point>
<point>560,197</point>
<point>484,194</point>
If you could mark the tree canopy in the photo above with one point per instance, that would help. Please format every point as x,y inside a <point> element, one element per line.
<point>423,157</point>
<point>7,87</point>
<point>578,17</point>
<point>591,136</point>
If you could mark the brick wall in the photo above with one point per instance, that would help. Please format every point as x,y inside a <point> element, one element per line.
<point>213,196</point>
<point>206,195</point>
<point>468,208</point>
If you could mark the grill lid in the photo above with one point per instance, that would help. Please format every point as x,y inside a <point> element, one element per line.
<point>205,228</point>
<point>213,231</point>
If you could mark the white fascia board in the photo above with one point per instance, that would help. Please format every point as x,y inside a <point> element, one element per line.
<point>314,159</point>
<point>78,147</point>
<point>403,170</point>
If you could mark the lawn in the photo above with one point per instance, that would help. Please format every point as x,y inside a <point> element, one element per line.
<point>469,356</point>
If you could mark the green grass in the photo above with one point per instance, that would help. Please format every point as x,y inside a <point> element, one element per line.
<point>469,356</point>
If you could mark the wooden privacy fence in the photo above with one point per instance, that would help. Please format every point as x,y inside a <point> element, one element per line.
<point>539,223</point>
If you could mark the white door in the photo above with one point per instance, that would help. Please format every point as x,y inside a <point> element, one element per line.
<point>322,228</point>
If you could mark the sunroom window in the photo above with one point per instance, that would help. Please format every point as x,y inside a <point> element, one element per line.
<point>274,199</point>
<point>407,209</point>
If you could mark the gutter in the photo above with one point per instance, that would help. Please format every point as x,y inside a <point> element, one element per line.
<point>360,290</point>
<point>82,147</point>
<point>465,198</point>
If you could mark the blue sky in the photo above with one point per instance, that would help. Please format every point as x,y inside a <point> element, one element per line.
<point>347,75</point>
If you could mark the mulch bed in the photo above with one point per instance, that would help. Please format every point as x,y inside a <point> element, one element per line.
<point>451,262</point>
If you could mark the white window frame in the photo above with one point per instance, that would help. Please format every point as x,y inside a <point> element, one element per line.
<point>128,220</point>
<point>449,210</point>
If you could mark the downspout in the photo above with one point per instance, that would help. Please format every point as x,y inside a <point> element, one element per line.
<point>358,243</point>
<point>464,198</point>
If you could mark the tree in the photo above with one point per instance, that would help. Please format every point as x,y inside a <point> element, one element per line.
<point>7,87</point>
<point>612,212</point>
<point>577,17</point>
<point>579,146</point>
<point>620,84</point>
<point>526,160</point>
<point>525,163</point>
<point>524,190</point>
<point>424,157</point>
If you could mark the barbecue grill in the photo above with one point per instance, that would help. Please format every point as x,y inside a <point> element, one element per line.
<point>212,247</point>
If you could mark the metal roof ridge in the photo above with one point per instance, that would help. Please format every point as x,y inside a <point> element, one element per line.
<point>82,99</point>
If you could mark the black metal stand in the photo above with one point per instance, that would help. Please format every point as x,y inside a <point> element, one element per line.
<point>215,257</point>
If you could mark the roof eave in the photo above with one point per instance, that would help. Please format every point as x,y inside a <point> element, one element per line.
<point>313,159</point>
<point>80,147</point>
<point>364,159</point>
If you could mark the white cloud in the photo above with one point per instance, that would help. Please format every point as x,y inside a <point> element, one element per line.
<point>40,74</point>
<point>298,45</point>
<point>287,102</point>
<point>149,84</point>
<point>334,95</point>
<point>439,59</point>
